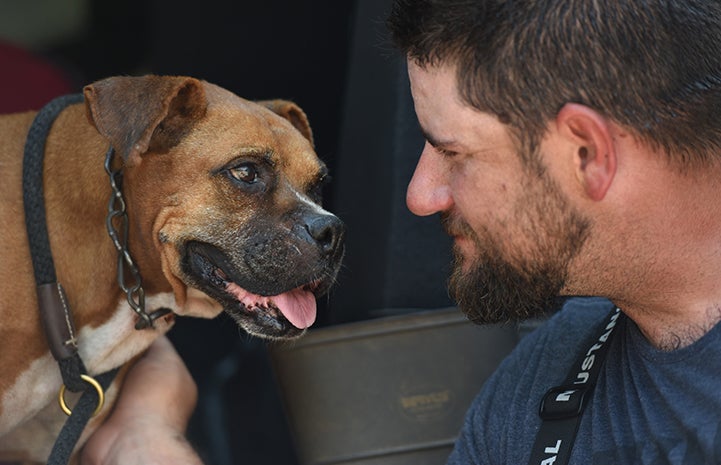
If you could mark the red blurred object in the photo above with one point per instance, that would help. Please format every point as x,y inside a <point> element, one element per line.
<point>27,81</point>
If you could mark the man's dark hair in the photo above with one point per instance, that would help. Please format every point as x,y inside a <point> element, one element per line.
<point>654,66</point>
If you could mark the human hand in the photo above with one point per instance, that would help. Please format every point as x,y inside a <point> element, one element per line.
<point>147,425</point>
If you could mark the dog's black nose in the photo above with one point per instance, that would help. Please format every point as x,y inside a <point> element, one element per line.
<point>327,230</point>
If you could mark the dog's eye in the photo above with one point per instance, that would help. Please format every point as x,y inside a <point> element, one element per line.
<point>246,172</point>
<point>316,191</point>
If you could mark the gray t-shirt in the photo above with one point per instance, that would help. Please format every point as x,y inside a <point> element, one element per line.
<point>648,407</point>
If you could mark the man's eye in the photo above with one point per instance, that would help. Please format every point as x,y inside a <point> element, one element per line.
<point>247,172</point>
<point>446,152</point>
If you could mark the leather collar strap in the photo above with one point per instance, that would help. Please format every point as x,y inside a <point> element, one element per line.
<point>562,407</point>
<point>56,315</point>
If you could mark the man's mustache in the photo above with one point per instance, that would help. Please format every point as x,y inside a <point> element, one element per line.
<point>454,225</point>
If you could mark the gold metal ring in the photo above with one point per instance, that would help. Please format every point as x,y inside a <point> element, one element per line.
<point>91,381</point>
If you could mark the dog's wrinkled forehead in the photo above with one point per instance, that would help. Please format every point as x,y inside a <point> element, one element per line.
<point>239,126</point>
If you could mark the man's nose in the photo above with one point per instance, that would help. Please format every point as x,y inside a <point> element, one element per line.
<point>429,192</point>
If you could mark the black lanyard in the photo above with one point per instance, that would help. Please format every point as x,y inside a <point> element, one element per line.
<point>562,406</point>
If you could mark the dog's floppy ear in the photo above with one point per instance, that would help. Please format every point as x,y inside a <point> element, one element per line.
<point>292,113</point>
<point>138,114</point>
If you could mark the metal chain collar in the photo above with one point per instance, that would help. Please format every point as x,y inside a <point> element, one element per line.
<point>116,209</point>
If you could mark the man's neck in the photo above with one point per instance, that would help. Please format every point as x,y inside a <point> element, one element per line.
<point>669,332</point>
<point>661,255</point>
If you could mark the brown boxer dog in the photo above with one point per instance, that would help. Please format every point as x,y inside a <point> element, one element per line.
<point>223,213</point>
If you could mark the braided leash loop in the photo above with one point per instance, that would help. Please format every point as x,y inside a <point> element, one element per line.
<point>54,310</point>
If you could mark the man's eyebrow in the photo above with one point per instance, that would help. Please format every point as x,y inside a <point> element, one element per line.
<point>435,143</point>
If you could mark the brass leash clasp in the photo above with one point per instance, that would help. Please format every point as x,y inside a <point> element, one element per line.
<point>91,381</point>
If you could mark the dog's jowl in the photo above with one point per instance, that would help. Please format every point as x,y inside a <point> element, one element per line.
<point>215,206</point>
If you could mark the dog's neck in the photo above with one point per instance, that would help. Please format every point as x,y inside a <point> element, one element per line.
<point>77,226</point>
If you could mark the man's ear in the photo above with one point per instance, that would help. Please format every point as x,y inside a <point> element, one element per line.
<point>594,150</point>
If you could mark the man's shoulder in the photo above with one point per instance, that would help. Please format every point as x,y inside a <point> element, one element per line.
<point>544,357</point>
<point>504,415</point>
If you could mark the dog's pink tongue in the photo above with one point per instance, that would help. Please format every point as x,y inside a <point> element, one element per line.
<point>298,305</point>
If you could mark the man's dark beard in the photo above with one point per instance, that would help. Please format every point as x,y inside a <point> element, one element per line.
<point>495,289</point>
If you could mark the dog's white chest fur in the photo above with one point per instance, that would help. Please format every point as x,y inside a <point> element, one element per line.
<point>30,412</point>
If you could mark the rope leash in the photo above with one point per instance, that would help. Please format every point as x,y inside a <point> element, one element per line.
<point>56,315</point>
